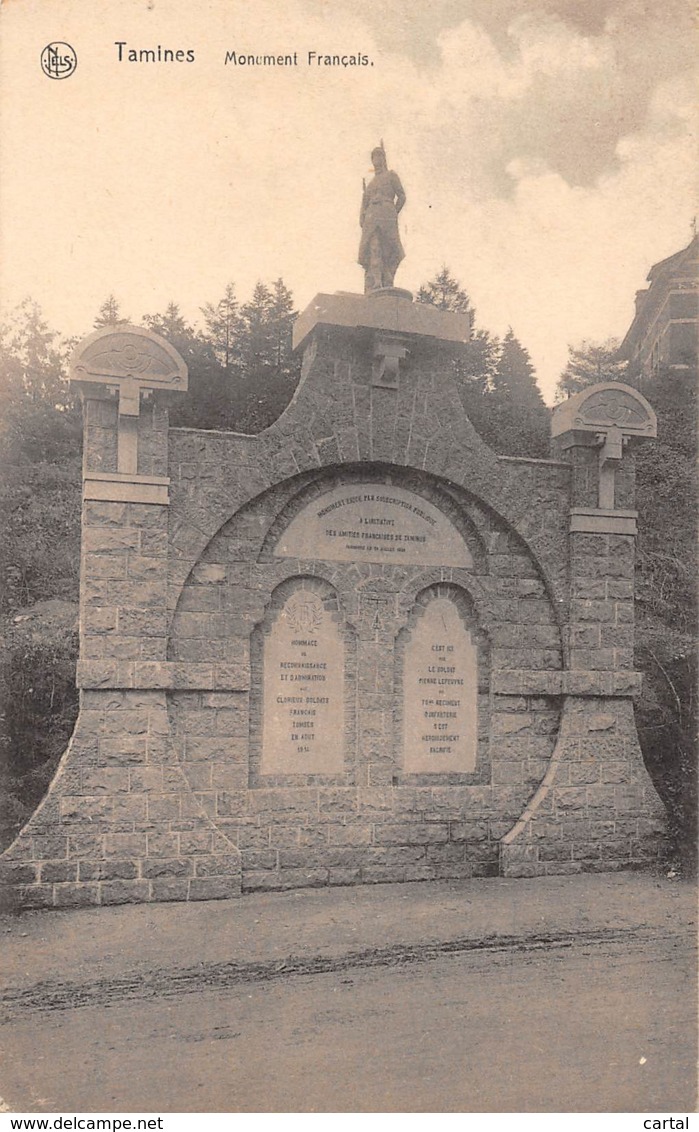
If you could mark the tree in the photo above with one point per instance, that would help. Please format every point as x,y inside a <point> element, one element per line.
<point>223,327</point>
<point>40,443</point>
<point>207,403</point>
<point>257,340</point>
<point>588,364</point>
<point>109,314</point>
<point>473,370</point>
<point>282,316</point>
<point>172,326</point>
<point>34,386</point>
<point>496,381</point>
<point>269,370</point>
<point>519,422</point>
<point>445,293</point>
<point>242,373</point>
<point>38,705</point>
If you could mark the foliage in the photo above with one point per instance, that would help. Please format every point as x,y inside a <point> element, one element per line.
<point>496,380</point>
<point>39,706</point>
<point>445,293</point>
<point>269,371</point>
<point>242,373</point>
<point>666,717</point>
<point>519,422</point>
<point>40,442</point>
<point>666,494</point>
<point>222,322</point>
<point>109,314</point>
<point>588,364</point>
<point>208,401</point>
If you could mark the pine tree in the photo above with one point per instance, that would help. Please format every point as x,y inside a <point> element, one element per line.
<point>520,422</point>
<point>283,315</point>
<point>445,293</point>
<point>207,403</point>
<point>473,370</point>
<point>270,372</point>
<point>171,325</point>
<point>40,490</point>
<point>40,445</point>
<point>41,416</point>
<point>223,328</point>
<point>496,382</point>
<point>109,314</point>
<point>258,338</point>
<point>588,364</point>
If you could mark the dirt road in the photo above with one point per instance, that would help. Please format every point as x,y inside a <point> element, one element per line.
<point>601,1024</point>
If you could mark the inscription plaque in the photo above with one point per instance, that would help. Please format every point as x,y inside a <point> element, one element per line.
<point>368,522</point>
<point>303,700</point>
<point>440,689</point>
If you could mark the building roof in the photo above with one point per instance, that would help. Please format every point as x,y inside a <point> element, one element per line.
<point>666,266</point>
<point>649,300</point>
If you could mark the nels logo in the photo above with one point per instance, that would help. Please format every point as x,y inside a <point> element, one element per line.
<point>58,60</point>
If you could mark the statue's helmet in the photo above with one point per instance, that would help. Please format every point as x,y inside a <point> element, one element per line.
<point>378,153</point>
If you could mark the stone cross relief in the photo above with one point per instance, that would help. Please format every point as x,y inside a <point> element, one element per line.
<point>612,444</point>
<point>614,414</point>
<point>620,413</point>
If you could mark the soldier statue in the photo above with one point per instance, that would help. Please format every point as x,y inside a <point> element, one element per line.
<point>380,249</point>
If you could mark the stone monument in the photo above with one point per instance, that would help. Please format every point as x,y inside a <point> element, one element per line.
<point>357,647</point>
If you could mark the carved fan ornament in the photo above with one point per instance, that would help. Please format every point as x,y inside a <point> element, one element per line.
<point>603,407</point>
<point>612,407</point>
<point>132,362</point>
<point>130,353</point>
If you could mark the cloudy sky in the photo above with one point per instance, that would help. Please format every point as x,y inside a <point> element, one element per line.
<point>547,147</point>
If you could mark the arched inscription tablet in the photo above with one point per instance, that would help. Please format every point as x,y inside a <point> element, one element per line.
<point>440,693</point>
<point>303,660</point>
<point>368,522</point>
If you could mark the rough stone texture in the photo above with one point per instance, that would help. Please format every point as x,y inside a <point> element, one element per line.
<point>161,794</point>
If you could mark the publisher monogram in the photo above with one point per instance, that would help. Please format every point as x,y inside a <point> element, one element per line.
<point>58,60</point>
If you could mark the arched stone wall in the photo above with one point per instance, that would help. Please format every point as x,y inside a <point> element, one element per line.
<point>364,816</point>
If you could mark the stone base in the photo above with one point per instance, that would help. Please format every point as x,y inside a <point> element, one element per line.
<point>391,293</point>
<point>390,309</point>
<point>120,823</point>
<point>596,809</point>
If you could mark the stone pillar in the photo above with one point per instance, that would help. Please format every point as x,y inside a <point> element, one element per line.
<point>126,378</point>
<point>595,431</point>
<point>597,796</point>
<point>120,822</point>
